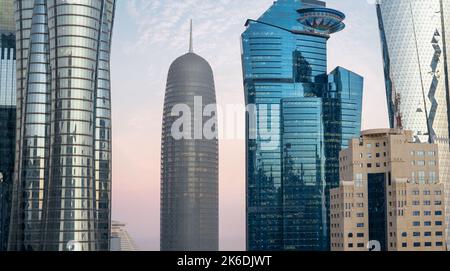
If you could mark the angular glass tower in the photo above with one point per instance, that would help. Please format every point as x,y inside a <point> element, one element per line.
<point>303,118</point>
<point>62,190</point>
<point>414,37</point>
<point>189,165</point>
<point>7,114</point>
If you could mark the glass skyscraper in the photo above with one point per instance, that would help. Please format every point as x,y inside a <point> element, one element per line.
<point>7,114</point>
<point>190,160</point>
<point>302,119</point>
<point>414,37</point>
<point>62,190</point>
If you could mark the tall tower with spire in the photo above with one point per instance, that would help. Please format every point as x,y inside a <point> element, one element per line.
<point>189,164</point>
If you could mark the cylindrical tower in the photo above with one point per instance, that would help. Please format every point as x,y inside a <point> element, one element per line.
<point>63,189</point>
<point>189,171</point>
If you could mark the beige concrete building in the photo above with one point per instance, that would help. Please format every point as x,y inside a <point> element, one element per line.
<point>389,195</point>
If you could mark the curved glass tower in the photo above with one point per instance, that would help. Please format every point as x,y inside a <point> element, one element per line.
<point>414,37</point>
<point>189,164</point>
<point>62,190</point>
<point>303,118</point>
<point>7,114</point>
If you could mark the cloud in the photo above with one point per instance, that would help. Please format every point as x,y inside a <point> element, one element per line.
<point>166,23</point>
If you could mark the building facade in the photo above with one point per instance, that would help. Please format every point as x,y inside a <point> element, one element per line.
<point>7,115</point>
<point>300,119</point>
<point>121,239</point>
<point>62,190</point>
<point>416,60</point>
<point>189,158</point>
<point>390,197</point>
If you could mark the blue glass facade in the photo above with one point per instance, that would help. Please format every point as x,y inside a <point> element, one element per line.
<point>342,117</point>
<point>302,118</point>
<point>7,116</point>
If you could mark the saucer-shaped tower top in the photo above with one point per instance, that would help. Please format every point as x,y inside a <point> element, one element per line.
<point>323,21</point>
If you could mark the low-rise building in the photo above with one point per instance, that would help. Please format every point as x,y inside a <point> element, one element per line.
<point>390,197</point>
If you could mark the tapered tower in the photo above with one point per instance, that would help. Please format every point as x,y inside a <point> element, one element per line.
<point>189,157</point>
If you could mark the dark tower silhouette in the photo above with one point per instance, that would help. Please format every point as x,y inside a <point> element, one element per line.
<point>189,171</point>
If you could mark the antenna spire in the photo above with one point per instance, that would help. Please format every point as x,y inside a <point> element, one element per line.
<point>191,41</point>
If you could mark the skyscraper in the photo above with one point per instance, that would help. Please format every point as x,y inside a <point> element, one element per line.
<point>189,161</point>
<point>120,238</point>
<point>62,190</point>
<point>7,114</point>
<point>302,120</point>
<point>415,52</point>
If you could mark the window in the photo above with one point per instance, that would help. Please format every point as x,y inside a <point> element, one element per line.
<point>438,213</point>
<point>404,244</point>
<point>420,153</point>
<point>416,234</point>
<point>439,233</point>
<point>438,223</point>
<point>412,153</point>
<point>416,213</point>
<point>404,234</point>
<point>416,223</point>
<point>369,155</point>
<point>439,244</point>
<point>438,193</point>
<point>377,155</point>
<point>438,203</point>
<point>432,177</point>
<point>360,235</point>
<point>377,145</point>
<point>360,245</point>
<point>427,223</point>
<point>416,192</point>
<point>427,192</point>
<point>416,203</point>
<point>427,213</point>
<point>417,244</point>
<point>427,234</point>
<point>428,244</point>
<point>360,225</point>
<point>369,145</point>
<point>358,180</point>
<point>350,235</point>
<point>350,245</point>
<point>421,177</point>
<point>360,215</point>
<point>431,153</point>
<point>432,163</point>
<point>369,165</point>
<point>427,203</point>
<point>421,163</point>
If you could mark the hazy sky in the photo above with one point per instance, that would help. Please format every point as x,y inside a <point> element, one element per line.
<point>148,36</point>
